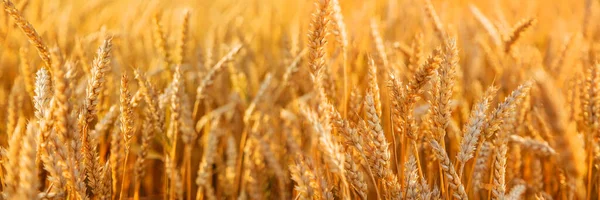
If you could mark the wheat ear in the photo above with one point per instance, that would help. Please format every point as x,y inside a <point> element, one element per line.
<point>27,28</point>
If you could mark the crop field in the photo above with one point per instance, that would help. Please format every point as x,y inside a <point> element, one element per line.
<point>299,99</point>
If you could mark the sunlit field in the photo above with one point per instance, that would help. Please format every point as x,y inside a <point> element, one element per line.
<point>299,99</point>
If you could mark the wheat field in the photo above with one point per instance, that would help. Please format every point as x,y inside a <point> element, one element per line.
<point>300,99</point>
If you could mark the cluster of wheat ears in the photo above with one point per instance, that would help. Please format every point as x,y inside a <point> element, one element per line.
<point>299,100</point>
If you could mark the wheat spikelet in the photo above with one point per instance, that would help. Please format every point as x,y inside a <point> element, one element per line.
<point>449,171</point>
<point>379,157</point>
<point>126,123</point>
<point>96,83</point>
<point>425,192</point>
<point>136,99</point>
<point>396,104</point>
<point>175,179</point>
<point>355,105</point>
<point>338,27</point>
<point>254,182</point>
<point>205,169</point>
<point>270,158</point>
<point>407,51</point>
<point>435,20</point>
<point>15,104</point>
<point>517,32</point>
<point>539,147</point>
<point>41,99</point>
<point>27,72</point>
<point>88,114</point>
<point>374,86</point>
<point>481,164</point>
<point>403,100</point>
<point>317,38</point>
<point>411,178</point>
<point>354,175</point>
<point>68,152</point>
<point>349,133</point>
<point>424,74</point>
<point>140,162</point>
<point>126,112</point>
<point>231,158</point>
<point>590,103</point>
<point>414,52</point>
<point>42,93</point>
<point>504,109</point>
<point>151,99</point>
<point>306,183</point>
<point>104,124</point>
<point>160,42</point>
<point>183,38</point>
<point>176,110</point>
<point>473,129</point>
<point>499,177</point>
<point>49,159</point>
<point>378,43</point>
<point>339,30</point>
<point>486,23</point>
<point>29,31</point>
<point>443,89</point>
<point>28,175</point>
<point>378,154</point>
<point>105,191</point>
<point>11,163</point>
<point>351,141</point>
<point>327,142</point>
<point>260,94</point>
<point>208,78</point>
<point>114,159</point>
<point>516,192</point>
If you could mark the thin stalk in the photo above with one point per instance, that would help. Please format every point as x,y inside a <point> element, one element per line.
<point>240,162</point>
<point>491,181</point>
<point>187,169</point>
<point>416,152</point>
<point>173,154</point>
<point>402,160</point>
<point>442,183</point>
<point>470,177</point>
<point>345,68</point>
<point>394,143</point>
<point>166,188</point>
<point>589,175</point>
<point>124,172</point>
<point>372,177</point>
<point>136,193</point>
